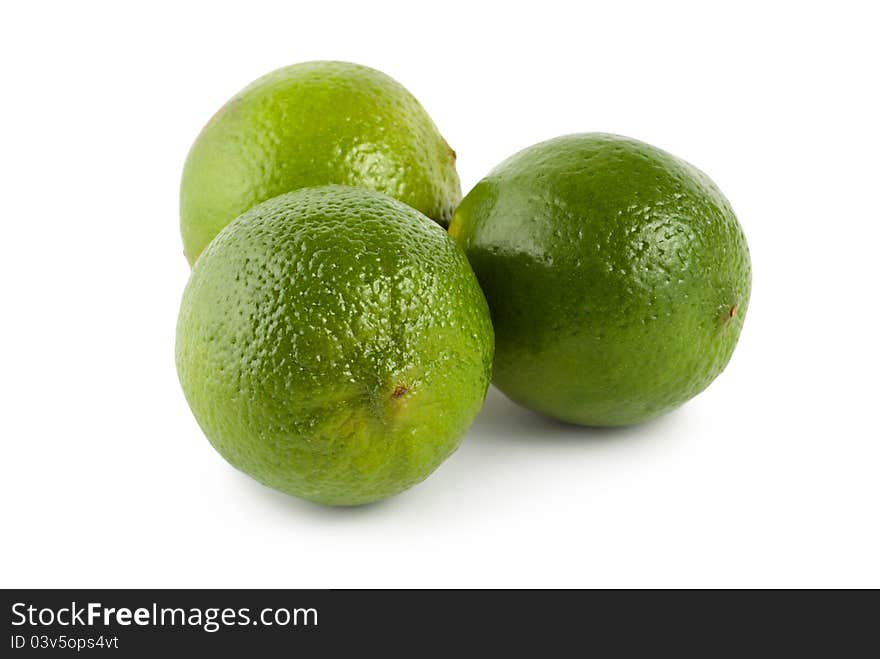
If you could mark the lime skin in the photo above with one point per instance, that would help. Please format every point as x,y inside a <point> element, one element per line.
<point>334,344</point>
<point>312,124</point>
<point>617,275</point>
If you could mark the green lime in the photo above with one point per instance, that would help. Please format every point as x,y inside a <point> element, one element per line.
<point>314,124</point>
<point>334,344</point>
<point>617,275</point>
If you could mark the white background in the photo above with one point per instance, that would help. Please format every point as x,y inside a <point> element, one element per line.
<point>769,478</point>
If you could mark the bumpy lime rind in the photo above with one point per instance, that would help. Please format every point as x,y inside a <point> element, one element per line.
<point>334,344</point>
<point>617,275</point>
<point>313,124</point>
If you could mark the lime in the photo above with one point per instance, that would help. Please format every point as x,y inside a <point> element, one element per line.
<point>313,124</point>
<point>617,276</point>
<point>334,344</point>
